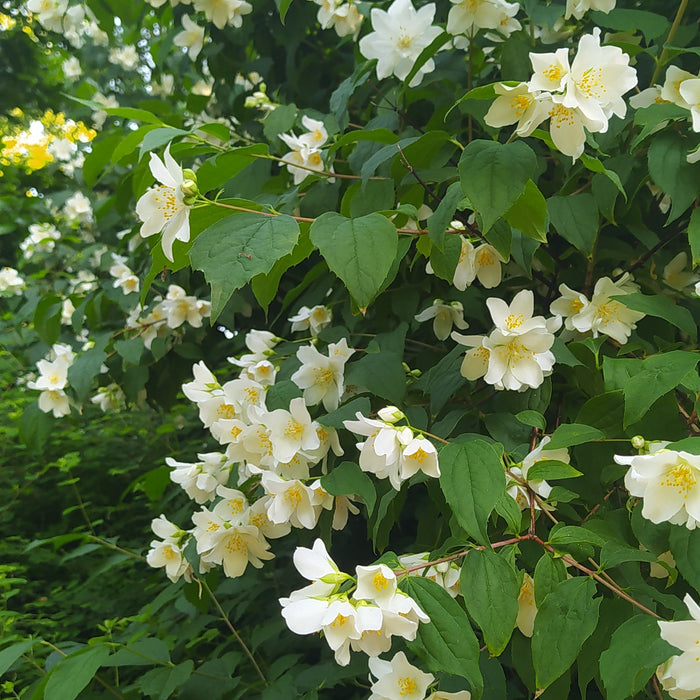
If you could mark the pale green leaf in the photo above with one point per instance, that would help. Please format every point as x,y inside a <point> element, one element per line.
<point>575,218</point>
<point>359,251</point>
<point>235,249</point>
<point>490,586</point>
<point>472,480</point>
<point>529,213</point>
<point>494,175</point>
<point>635,651</point>
<point>448,642</point>
<point>552,469</point>
<point>566,618</point>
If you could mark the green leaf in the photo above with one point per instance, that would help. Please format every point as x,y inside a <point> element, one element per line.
<point>140,115</point>
<point>347,411</point>
<point>595,166</point>
<point>510,511</point>
<point>552,469</point>
<point>131,350</point>
<point>359,251</point>
<point>685,547</point>
<point>47,318</point>
<point>491,586</point>
<point>659,375</point>
<point>382,371</point>
<point>569,434</point>
<point>130,142</point>
<point>670,170</point>
<point>549,571</point>
<point>87,366</point>
<point>73,673</point>
<point>444,262</point>
<point>143,652</point>
<point>694,236</point>
<point>159,137</point>
<point>213,173</point>
<point>473,479</point>
<point>635,651</point>
<point>382,155</point>
<point>265,286</point>
<point>376,135</point>
<point>566,618</point>
<point>575,218</point>
<point>10,654</point>
<point>572,534</point>
<point>500,236</point>
<point>661,307</point>
<point>161,683</point>
<point>235,249</point>
<point>448,640</point>
<point>426,54</point>
<point>650,117</point>
<point>613,553</point>
<point>494,175</point>
<point>347,479</point>
<point>532,418</point>
<point>529,213</point>
<point>439,221</point>
<point>650,24</point>
<point>35,427</point>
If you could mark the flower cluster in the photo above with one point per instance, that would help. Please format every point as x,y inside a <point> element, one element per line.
<point>41,239</point>
<point>166,207</point>
<point>482,263</point>
<point>363,618</point>
<point>393,451</point>
<point>445,316</point>
<point>680,88</point>
<point>516,354</point>
<point>667,482</point>
<point>11,282</point>
<point>577,97</point>
<point>172,312</point>
<point>468,16</point>
<point>75,22</point>
<point>399,37</point>
<point>53,380</point>
<point>124,277</point>
<point>679,675</point>
<point>603,313</point>
<point>314,320</point>
<point>341,16</point>
<point>516,489</point>
<point>305,154</point>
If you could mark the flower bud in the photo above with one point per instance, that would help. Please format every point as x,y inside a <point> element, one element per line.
<point>189,184</point>
<point>638,442</point>
<point>390,414</point>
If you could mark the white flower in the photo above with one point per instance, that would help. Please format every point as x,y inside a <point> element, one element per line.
<point>290,501</point>
<point>321,377</point>
<point>178,307</point>
<point>260,344</point>
<point>527,609</point>
<point>598,78</point>
<point>71,68</point>
<point>400,35</point>
<point>291,431</point>
<point>162,207</point>
<point>223,12</point>
<point>54,401</point>
<point>676,276</point>
<point>445,574</point>
<point>77,209</point>
<point>302,159</point>
<point>419,455</point>
<point>201,479</point>
<point>49,13</point>
<point>124,56</point>
<point>11,282</point>
<point>667,481</point>
<point>680,675</point>
<point>607,315</point>
<point>347,20</point>
<point>168,553</point>
<point>317,134</point>
<point>445,316</point>
<point>397,679</point>
<point>109,398</point>
<point>191,38</point>
<point>578,8</point>
<point>468,16</point>
<point>314,319</point>
<point>568,305</point>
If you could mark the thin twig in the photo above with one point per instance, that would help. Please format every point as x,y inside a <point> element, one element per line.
<point>225,618</point>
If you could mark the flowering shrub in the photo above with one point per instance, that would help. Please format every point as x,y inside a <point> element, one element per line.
<point>236,228</point>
